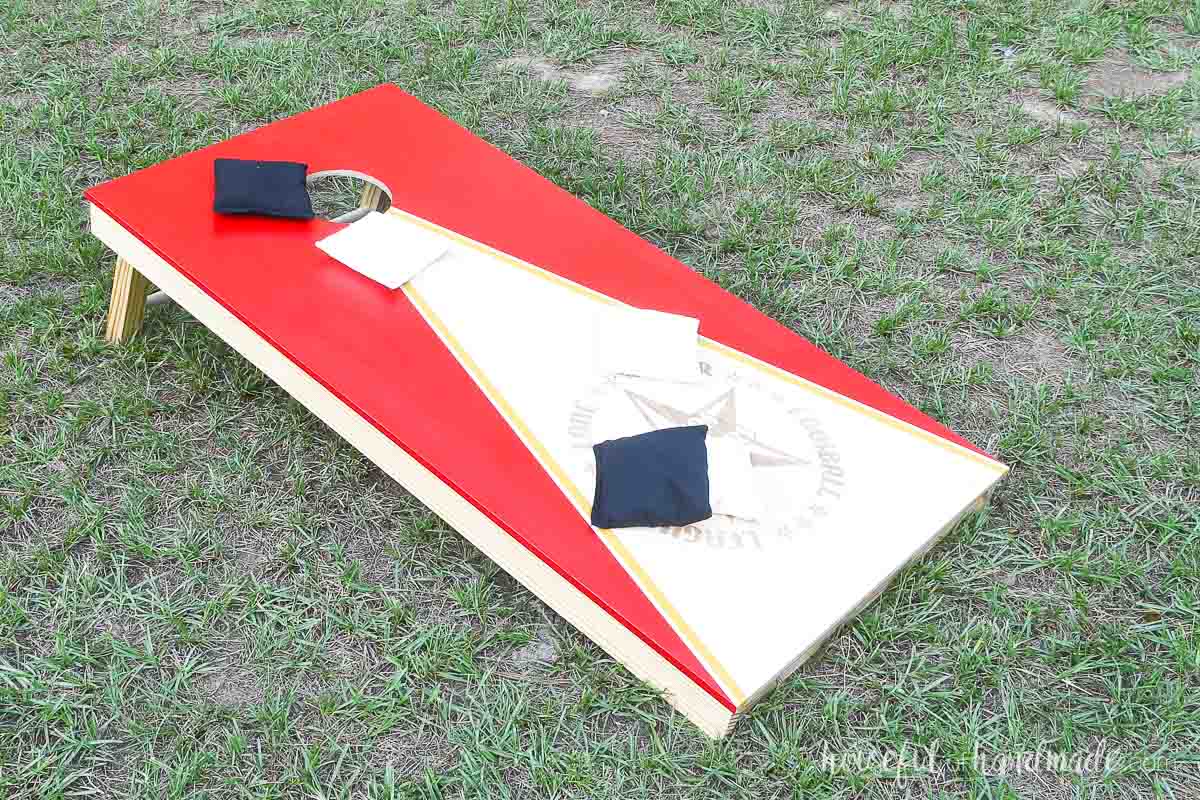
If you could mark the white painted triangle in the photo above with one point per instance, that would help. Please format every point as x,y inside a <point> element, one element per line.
<point>848,495</point>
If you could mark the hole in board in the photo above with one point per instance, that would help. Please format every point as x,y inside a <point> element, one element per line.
<point>344,195</point>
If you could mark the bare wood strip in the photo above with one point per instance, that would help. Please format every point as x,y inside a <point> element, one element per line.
<point>371,198</point>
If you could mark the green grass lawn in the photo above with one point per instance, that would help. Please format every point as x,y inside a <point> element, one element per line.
<point>991,207</point>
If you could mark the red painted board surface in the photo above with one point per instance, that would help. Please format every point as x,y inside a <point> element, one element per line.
<point>371,348</point>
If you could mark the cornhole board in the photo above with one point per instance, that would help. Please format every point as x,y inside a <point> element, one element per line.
<point>471,386</point>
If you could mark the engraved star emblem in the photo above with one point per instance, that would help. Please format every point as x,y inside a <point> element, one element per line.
<point>720,415</point>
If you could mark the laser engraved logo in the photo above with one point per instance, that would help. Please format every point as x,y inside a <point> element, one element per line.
<point>797,468</point>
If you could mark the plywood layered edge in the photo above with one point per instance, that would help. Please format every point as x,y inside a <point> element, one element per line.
<point>128,303</point>
<point>551,588</point>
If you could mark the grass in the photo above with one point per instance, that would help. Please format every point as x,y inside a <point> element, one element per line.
<point>203,592</point>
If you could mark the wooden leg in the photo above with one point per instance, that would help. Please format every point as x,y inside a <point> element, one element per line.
<point>372,197</point>
<point>128,302</point>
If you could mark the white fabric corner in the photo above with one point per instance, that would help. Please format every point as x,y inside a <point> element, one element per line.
<point>385,249</point>
<point>645,343</point>
<point>730,479</point>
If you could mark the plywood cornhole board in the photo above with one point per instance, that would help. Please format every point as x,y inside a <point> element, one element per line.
<point>471,386</point>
